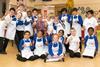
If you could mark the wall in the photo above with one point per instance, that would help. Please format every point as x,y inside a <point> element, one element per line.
<point>85,5</point>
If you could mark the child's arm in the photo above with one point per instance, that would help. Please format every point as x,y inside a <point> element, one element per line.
<point>85,41</point>
<point>95,30</point>
<point>80,20</point>
<point>21,45</point>
<point>96,24</point>
<point>60,49</point>
<point>45,41</point>
<point>96,43</point>
<point>50,49</point>
<point>68,40</point>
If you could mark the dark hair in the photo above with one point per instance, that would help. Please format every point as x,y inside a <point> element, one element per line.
<point>90,11</point>
<point>18,0</point>
<point>91,28</point>
<point>26,32</point>
<point>12,9</point>
<point>35,9</point>
<point>41,31</point>
<point>63,9</point>
<point>62,31</point>
<point>74,9</point>
<point>29,11</point>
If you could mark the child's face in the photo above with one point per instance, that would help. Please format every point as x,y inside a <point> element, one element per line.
<point>40,17</point>
<point>19,15</point>
<point>34,13</point>
<point>56,19</point>
<point>39,34</point>
<point>29,13</point>
<point>74,12</point>
<point>55,38</point>
<point>64,12</point>
<point>12,13</point>
<point>73,32</point>
<point>60,33</point>
<point>27,35</point>
<point>89,15</point>
<point>21,8</point>
<point>90,32</point>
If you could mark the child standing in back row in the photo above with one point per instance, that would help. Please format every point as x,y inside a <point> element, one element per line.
<point>90,21</point>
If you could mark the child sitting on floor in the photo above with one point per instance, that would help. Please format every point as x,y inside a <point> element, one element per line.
<point>40,45</point>
<point>73,40</point>
<point>25,48</point>
<point>91,44</point>
<point>55,49</point>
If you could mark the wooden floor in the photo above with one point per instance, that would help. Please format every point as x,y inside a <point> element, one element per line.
<point>9,60</point>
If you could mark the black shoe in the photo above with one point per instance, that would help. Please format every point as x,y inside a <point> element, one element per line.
<point>3,52</point>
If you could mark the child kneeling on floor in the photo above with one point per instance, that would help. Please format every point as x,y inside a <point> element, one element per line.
<point>25,48</point>
<point>91,44</point>
<point>55,49</point>
<point>73,40</point>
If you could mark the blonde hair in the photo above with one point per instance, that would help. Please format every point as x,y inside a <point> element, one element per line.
<point>55,35</point>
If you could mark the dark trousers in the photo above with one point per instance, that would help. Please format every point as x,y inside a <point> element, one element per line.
<point>18,37</point>
<point>5,44</point>
<point>66,47</point>
<point>73,54</point>
<point>1,44</point>
<point>20,58</point>
<point>80,43</point>
<point>43,56</point>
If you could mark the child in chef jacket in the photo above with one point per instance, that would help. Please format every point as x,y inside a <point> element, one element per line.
<point>90,21</point>
<point>91,44</point>
<point>25,48</point>
<point>40,45</point>
<point>10,25</point>
<point>2,34</point>
<point>55,48</point>
<point>73,40</point>
<point>57,25</point>
<point>28,22</point>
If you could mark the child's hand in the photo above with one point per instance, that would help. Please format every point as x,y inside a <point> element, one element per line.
<point>46,43</point>
<point>31,44</point>
<point>34,24</point>
<point>24,45</point>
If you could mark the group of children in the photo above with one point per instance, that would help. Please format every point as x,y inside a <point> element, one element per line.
<point>48,37</point>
